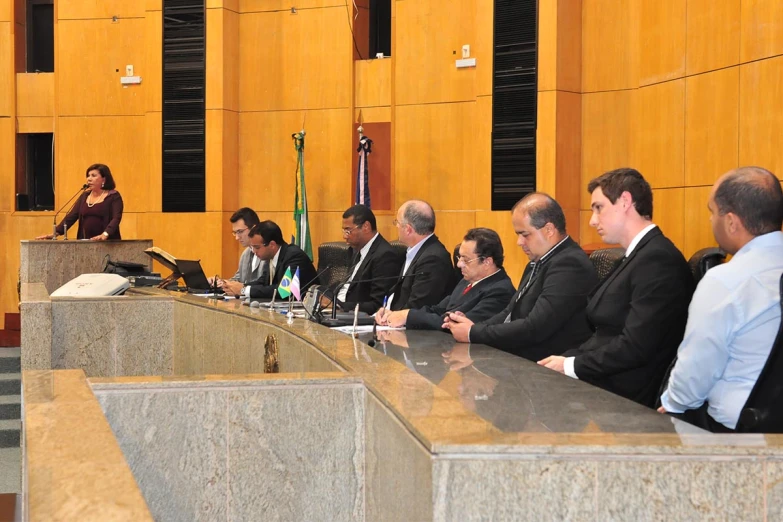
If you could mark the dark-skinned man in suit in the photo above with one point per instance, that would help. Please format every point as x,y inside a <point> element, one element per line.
<point>427,275</point>
<point>639,311</point>
<point>268,245</point>
<point>372,258</point>
<point>483,291</point>
<point>547,313</point>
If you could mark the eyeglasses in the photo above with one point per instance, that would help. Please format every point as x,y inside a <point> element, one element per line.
<point>468,261</point>
<point>238,232</point>
<point>347,231</point>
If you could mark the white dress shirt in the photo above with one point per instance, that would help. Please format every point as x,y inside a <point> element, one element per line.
<point>568,364</point>
<point>272,268</point>
<point>362,254</point>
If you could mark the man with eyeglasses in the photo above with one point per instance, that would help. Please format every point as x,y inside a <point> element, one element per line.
<point>483,292</point>
<point>547,314</point>
<point>372,258</point>
<point>267,243</point>
<point>249,265</point>
<point>427,275</point>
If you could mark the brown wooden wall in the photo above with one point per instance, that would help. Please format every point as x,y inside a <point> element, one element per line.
<point>682,90</point>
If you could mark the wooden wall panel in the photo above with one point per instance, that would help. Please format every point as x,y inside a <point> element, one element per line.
<point>221,159</point>
<point>232,5</point>
<point>372,114</point>
<point>267,159</point>
<point>6,70</point>
<point>450,227</point>
<point>658,131</point>
<point>668,211</point>
<point>35,94</point>
<point>762,29</point>
<point>761,114</point>
<point>153,69</point>
<point>114,141</point>
<point>662,41</point>
<point>88,82</point>
<point>546,143</point>
<point>711,125</point>
<point>713,35</point>
<point>257,6</point>
<point>157,5</point>
<point>6,10</point>
<point>34,124</point>
<point>698,231</point>
<point>610,45</point>
<point>222,57</point>
<point>373,83</point>
<point>569,45</point>
<point>425,68</point>
<point>482,47</point>
<point>606,135</point>
<point>482,153</point>
<point>7,164</point>
<point>94,9</point>
<point>153,161</point>
<point>569,153</point>
<point>547,46</point>
<point>435,155</point>
<point>299,61</point>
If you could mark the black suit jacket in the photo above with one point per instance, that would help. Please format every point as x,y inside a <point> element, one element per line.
<point>638,314</point>
<point>290,255</point>
<point>549,317</point>
<point>481,302</point>
<point>381,261</point>
<point>436,281</point>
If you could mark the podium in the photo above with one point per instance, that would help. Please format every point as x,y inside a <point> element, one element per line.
<point>54,263</point>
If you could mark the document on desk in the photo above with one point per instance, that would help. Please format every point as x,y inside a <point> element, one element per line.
<point>366,328</point>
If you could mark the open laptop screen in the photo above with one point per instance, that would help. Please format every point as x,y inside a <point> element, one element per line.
<point>193,274</point>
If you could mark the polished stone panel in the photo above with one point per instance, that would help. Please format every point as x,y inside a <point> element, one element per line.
<point>774,489</point>
<point>297,453</point>
<point>109,336</point>
<point>36,336</point>
<point>686,489</point>
<point>474,489</point>
<point>73,467</point>
<point>176,443</point>
<point>54,263</point>
<point>398,471</point>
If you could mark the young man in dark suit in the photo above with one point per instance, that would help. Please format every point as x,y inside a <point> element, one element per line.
<point>484,290</point>
<point>268,245</point>
<point>372,258</point>
<point>639,311</point>
<point>547,313</point>
<point>427,275</point>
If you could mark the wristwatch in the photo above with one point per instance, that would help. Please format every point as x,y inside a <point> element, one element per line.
<point>105,234</point>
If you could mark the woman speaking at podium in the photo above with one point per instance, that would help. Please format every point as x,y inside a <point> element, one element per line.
<point>98,209</point>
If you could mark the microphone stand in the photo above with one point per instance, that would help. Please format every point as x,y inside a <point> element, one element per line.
<point>54,220</point>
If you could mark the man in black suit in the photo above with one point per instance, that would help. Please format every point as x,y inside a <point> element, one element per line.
<point>267,243</point>
<point>639,311</point>
<point>373,258</point>
<point>428,275</point>
<point>484,290</point>
<point>547,313</point>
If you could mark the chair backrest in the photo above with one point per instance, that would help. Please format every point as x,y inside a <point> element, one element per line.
<point>337,255</point>
<point>705,259</point>
<point>763,411</point>
<point>400,248</point>
<point>605,259</point>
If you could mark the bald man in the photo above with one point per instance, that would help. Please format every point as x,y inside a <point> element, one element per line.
<point>427,275</point>
<point>735,312</point>
<point>548,311</point>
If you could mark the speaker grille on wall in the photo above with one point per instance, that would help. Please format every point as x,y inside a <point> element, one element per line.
<point>514,98</point>
<point>184,86</point>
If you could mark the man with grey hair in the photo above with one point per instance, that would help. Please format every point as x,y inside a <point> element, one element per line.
<point>427,275</point>
<point>735,312</point>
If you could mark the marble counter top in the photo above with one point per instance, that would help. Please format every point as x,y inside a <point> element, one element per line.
<point>458,398</point>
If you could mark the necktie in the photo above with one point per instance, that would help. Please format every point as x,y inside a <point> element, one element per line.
<point>467,288</point>
<point>271,272</point>
<point>523,289</point>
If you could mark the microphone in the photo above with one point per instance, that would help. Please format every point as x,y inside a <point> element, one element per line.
<point>54,220</point>
<point>372,342</point>
<point>316,297</point>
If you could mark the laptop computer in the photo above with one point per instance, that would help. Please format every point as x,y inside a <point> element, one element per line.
<point>195,280</point>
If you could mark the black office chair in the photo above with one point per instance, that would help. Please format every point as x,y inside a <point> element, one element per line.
<point>336,254</point>
<point>399,248</point>
<point>763,411</point>
<point>605,259</point>
<point>705,259</point>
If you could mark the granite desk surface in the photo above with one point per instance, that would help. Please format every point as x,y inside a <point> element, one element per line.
<point>461,398</point>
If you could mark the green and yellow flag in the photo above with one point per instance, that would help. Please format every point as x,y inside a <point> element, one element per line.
<point>285,284</point>
<point>301,222</point>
